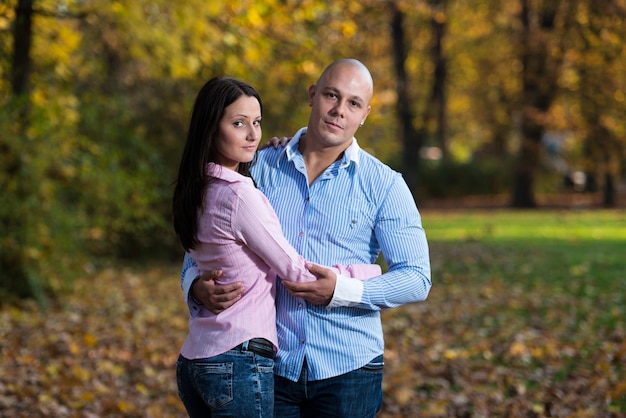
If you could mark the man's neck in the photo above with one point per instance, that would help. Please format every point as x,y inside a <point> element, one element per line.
<point>318,159</point>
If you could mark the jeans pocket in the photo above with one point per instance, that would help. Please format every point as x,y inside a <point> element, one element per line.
<point>179,377</point>
<point>214,382</point>
<point>375,365</point>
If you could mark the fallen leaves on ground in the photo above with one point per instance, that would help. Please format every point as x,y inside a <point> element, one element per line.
<point>107,351</point>
<point>471,350</point>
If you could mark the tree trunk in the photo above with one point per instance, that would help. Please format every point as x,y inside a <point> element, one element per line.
<point>609,200</point>
<point>14,279</point>
<point>412,139</point>
<point>22,40</point>
<point>539,87</point>
<point>438,24</point>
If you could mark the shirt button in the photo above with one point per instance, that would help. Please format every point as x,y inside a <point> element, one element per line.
<point>299,305</point>
<point>301,234</point>
<point>302,341</point>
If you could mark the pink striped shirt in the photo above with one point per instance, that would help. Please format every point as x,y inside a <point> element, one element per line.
<point>240,234</point>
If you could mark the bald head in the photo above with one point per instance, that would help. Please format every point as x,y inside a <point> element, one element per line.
<point>355,64</point>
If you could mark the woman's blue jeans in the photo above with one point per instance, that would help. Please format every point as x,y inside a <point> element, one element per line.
<point>357,394</point>
<point>233,384</point>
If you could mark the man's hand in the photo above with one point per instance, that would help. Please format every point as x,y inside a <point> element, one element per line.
<point>215,297</point>
<point>319,292</point>
<point>275,142</point>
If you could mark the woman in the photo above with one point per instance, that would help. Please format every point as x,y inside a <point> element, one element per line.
<point>226,362</point>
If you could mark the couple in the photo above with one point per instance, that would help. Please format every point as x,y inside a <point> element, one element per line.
<point>337,206</point>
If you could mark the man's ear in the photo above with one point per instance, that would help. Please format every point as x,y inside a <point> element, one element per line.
<point>312,88</point>
<point>366,115</point>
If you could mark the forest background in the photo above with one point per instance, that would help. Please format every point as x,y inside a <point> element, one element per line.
<point>515,100</point>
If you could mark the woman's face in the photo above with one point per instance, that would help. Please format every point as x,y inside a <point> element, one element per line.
<point>239,132</point>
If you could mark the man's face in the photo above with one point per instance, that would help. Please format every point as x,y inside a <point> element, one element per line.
<point>340,103</point>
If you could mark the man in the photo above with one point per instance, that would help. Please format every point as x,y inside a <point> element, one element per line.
<point>337,205</point>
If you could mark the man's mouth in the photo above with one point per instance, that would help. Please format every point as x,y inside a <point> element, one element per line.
<point>334,125</point>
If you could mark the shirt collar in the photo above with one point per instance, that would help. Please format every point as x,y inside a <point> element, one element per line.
<point>223,173</point>
<point>351,154</point>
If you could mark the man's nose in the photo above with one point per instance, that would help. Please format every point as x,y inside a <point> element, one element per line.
<point>339,108</point>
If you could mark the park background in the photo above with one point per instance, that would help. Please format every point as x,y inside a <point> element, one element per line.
<point>506,118</point>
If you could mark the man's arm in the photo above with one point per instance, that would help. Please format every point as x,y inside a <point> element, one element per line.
<point>403,243</point>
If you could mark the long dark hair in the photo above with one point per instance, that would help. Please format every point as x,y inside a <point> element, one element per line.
<point>215,96</point>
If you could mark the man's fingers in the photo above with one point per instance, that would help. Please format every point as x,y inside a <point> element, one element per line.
<point>275,142</point>
<point>318,292</point>
<point>284,141</point>
<point>214,296</point>
<point>321,272</point>
<point>225,289</point>
<point>226,297</point>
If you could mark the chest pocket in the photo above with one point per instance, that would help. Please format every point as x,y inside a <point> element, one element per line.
<point>351,227</point>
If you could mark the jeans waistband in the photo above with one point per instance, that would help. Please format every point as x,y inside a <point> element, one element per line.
<point>259,346</point>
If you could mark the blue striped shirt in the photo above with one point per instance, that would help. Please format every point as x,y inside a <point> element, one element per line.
<point>354,210</point>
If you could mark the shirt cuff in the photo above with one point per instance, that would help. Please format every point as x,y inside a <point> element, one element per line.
<point>348,292</point>
<point>191,275</point>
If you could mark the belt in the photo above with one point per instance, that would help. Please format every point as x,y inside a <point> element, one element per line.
<point>259,346</point>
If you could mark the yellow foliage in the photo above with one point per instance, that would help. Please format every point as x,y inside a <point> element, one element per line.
<point>90,340</point>
<point>349,29</point>
<point>87,397</point>
<point>125,407</point>
<point>141,388</point>
<point>74,348</point>
<point>117,7</point>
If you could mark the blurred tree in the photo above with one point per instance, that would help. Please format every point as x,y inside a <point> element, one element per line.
<point>541,49</point>
<point>95,105</point>
<point>438,21</point>
<point>599,62</point>
<point>14,277</point>
<point>412,138</point>
<point>416,128</point>
<point>485,81</point>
